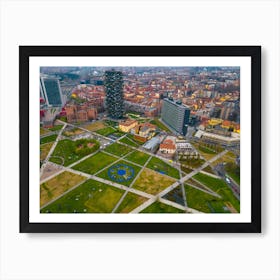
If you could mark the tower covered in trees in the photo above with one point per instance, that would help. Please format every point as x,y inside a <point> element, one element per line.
<point>114,93</point>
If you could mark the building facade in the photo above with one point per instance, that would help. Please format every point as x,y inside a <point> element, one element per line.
<point>175,115</point>
<point>114,94</point>
<point>50,91</point>
<point>80,113</point>
<point>127,125</point>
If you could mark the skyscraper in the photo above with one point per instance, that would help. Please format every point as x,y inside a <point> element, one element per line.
<point>50,91</point>
<point>175,115</point>
<point>114,93</point>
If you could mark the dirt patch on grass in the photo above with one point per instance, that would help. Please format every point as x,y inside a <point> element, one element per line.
<point>95,126</point>
<point>58,185</point>
<point>151,182</point>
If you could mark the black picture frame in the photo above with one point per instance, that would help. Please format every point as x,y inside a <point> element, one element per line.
<point>25,52</point>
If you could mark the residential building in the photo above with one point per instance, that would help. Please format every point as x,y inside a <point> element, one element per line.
<point>167,147</point>
<point>127,125</point>
<point>80,113</point>
<point>114,93</point>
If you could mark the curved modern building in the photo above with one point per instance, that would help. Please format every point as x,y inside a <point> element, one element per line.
<point>50,91</point>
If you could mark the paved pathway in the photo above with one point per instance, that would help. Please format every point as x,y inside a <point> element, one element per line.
<point>51,150</point>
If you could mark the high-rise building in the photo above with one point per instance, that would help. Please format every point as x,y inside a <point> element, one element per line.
<point>50,91</point>
<point>114,93</point>
<point>175,115</point>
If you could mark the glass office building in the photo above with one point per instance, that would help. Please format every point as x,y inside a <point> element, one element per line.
<point>175,115</point>
<point>50,91</point>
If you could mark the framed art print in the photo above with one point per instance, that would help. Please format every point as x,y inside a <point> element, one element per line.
<point>140,138</point>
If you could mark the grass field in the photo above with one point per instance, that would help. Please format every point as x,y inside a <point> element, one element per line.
<point>111,123</point>
<point>118,149</point>
<point>176,195</point>
<point>95,126</point>
<point>159,207</point>
<point>204,151</point>
<point>160,125</point>
<point>130,202</point>
<point>152,182</point>
<point>47,139</point>
<point>72,132</point>
<point>44,131</point>
<point>90,197</point>
<point>105,131</point>
<point>228,157</point>
<point>204,202</point>
<point>162,167</point>
<point>186,169</point>
<point>72,151</point>
<point>209,169</point>
<point>233,170</point>
<point>92,164</point>
<point>44,150</point>
<point>128,142</point>
<point>104,173</point>
<point>56,127</point>
<point>58,185</point>
<point>221,188</point>
<point>138,157</point>
<point>192,163</point>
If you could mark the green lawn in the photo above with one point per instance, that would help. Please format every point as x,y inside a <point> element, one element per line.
<point>221,188</point>
<point>47,139</point>
<point>204,202</point>
<point>159,207</point>
<point>130,202</point>
<point>111,123</point>
<point>233,170</point>
<point>104,174</point>
<point>56,127</point>
<point>118,149</point>
<point>90,197</point>
<point>138,157</point>
<point>163,167</point>
<point>193,163</point>
<point>176,195</point>
<point>44,131</point>
<point>94,163</point>
<point>105,131</point>
<point>128,142</point>
<point>71,151</point>
<point>206,150</point>
<point>209,169</point>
